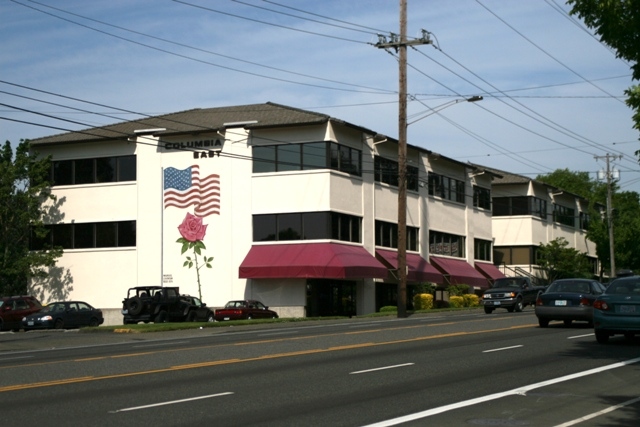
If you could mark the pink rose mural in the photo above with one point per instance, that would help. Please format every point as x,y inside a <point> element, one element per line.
<point>193,231</point>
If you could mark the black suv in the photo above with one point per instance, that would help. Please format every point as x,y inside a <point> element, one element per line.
<point>154,304</point>
<point>13,309</point>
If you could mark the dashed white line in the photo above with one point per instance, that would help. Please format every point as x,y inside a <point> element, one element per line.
<point>172,402</point>
<point>581,336</point>
<point>503,348</point>
<point>381,369</point>
<point>597,414</point>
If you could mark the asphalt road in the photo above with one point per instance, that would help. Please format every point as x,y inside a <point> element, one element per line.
<point>441,369</point>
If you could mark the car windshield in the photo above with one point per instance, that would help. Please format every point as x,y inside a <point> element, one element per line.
<point>51,308</point>
<point>575,286</point>
<point>507,283</point>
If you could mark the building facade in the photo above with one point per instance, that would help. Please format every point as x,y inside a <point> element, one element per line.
<point>291,207</point>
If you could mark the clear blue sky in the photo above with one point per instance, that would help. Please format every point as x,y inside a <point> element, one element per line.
<point>553,93</point>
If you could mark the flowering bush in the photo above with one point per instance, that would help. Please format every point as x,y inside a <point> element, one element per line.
<point>456,301</point>
<point>422,301</point>
<point>471,300</point>
<point>193,231</point>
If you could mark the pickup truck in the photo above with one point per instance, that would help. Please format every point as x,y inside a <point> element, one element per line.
<point>512,293</point>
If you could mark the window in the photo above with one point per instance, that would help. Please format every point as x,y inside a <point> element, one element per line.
<point>481,197</point>
<point>307,156</point>
<point>564,215</point>
<point>307,226</point>
<point>514,255</point>
<point>386,171</point>
<point>446,188</point>
<point>88,235</point>
<point>585,220</point>
<point>446,244</point>
<point>482,249</point>
<point>387,236</point>
<point>95,170</point>
<point>520,205</point>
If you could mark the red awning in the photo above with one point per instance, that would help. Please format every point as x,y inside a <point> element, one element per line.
<point>419,269</point>
<point>460,272</point>
<point>311,260</point>
<point>489,270</point>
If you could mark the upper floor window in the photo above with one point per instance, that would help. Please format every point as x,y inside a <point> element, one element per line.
<point>585,220</point>
<point>445,187</point>
<point>307,226</point>
<point>564,215</point>
<point>387,236</point>
<point>95,170</point>
<point>520,205</point>
<point>446,244</point>
<point>482,249</point>
<point>310,155</point>
<point>386,170</point>
<point>481,197</point>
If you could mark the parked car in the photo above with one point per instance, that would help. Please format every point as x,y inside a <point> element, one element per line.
<point>617,310</point>
<point>511,293</point>
<point>244,309</point>
<point>13,309</point>
<point>568,300</point>
<point>64,315</point>
<point>199,312</point>
<point>156,304</point>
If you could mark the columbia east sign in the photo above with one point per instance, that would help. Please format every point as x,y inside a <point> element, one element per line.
<point>209,147</point>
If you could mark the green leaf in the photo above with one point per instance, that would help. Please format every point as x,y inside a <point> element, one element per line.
<point>185,247</point>
<point>197,250</point>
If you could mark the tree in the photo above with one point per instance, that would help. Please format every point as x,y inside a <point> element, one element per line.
<point>618,25</point>
<point>559,261</point>
<point>24,190</point>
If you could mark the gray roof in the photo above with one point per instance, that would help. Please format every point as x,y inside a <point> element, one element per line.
<point>197,120</point>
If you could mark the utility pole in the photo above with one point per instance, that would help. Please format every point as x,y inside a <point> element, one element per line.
<point>401,47</point>
<point>609,176</point>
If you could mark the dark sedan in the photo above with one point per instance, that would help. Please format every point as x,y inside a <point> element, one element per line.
<point>568,300</point>
<point>617,310</point>
<point>245,309</point>
<point>63,315</point>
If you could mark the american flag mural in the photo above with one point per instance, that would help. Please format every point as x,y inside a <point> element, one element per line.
<point>183,188</point>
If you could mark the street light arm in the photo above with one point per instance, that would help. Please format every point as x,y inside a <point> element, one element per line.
<point>446,105</point>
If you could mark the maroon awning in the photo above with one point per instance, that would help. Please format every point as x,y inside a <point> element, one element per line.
<point>419,268</point>
<point>459,272</point>
<point>489,270</point>
<point>310,260</point>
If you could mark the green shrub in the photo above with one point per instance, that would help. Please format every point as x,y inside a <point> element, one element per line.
<point>458,290</point>
<point>456,301</point>
<point>388,308</point>
<point>471,300</point>
<point>422,301</point>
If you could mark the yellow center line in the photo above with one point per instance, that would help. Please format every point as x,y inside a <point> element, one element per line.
<point>250,359</point>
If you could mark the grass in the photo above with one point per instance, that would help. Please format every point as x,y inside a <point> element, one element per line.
<point>178,326</point>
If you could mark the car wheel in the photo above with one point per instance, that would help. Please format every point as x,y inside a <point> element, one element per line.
<point>519,306</point>
<point>94,322</point>
<point>211,318</point>
<point>161,317</point>
<point>567,323</point>
<point>488,310</point>
<point>59,324</point>
<point>249,317</point>
<point>134,305</point>
<point>543,322</point>
<point>191,317</point>
<point>602,337</point>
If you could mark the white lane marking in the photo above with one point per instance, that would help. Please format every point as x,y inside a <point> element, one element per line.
<point>278,333</point>
<point>381,369</point>
<point>487,398</point>
<point>597,414</point>
<point>162,344</point>
<point>503,348</point>
<point>581,336</point>
<point>153,405</point>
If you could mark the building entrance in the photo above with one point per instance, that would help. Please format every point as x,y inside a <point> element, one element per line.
<point>331,298</point>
